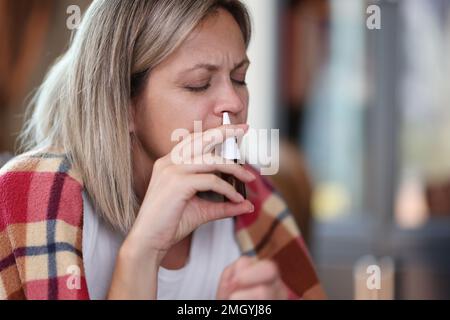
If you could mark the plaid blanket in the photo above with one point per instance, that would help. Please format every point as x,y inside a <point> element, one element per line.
<point>41,217</point>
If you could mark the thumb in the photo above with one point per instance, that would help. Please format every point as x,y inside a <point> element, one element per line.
<point>222,210</point>
<point>227,284</point>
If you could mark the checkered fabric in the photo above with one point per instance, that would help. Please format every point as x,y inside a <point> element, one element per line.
<point>41,217</point>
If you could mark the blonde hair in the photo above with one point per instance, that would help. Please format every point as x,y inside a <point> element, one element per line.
<point>82,107</point>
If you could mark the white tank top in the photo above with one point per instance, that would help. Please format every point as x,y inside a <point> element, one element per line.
<point>213,247</point>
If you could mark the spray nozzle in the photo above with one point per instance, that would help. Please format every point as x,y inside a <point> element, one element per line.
<point>230,148</point>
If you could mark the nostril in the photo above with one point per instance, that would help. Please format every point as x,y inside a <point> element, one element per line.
<point>228,117</point>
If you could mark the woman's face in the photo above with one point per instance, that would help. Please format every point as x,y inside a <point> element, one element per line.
<point>202,79</point>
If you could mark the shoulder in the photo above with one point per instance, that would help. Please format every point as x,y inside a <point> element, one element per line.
<point>40,161</point>
<point>37,185</point>
<point>41,218</point>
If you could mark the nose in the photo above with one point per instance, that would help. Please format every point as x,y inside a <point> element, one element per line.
<point>229,101</point>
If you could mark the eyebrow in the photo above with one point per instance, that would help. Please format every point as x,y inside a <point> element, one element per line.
<point>212,67</point>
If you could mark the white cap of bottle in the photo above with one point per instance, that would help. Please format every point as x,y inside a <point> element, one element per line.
<point>230,148</point>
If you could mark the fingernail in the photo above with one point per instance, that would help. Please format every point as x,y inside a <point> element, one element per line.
<point>241,198</point>
<point>252,208</point>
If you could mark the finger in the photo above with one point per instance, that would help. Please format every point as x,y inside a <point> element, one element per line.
<point>224,290</point>
<point>199,143</point>
<point>222,210</point>
<point>255,293</point>
<point>226,285</point>
<point>210,163</point>
<point>217,136</point>
<point>243,263</point>
<point>261,272</point>
<point>211,182</point>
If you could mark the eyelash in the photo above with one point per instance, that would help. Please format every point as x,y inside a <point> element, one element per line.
<point>198,89</point>
<point>204,88</point>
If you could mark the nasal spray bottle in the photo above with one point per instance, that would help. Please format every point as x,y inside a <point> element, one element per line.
<point>229,151</point>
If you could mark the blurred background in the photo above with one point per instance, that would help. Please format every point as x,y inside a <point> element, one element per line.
<point>360,91</point>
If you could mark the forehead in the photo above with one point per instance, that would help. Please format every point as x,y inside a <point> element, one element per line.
<point>218,28</point>
<point>217,39</point>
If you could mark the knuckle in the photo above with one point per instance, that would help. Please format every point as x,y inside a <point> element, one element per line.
<point>168,173</point>
<point>214,179</point>
<point>243,262</point>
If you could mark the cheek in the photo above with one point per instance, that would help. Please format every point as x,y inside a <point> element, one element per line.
<point>245,98</point>
<point>185,109</point>
<point>162,114</point>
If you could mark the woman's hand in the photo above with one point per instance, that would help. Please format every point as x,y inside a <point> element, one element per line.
<point>171,210</point>
<point>251,279</point>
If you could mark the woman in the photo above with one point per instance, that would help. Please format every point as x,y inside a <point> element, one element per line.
<point>97,208</point>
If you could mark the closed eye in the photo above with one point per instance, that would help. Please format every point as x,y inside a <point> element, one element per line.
<point>207,86</point>
<point>239,83</point>
<point>198,89</point>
